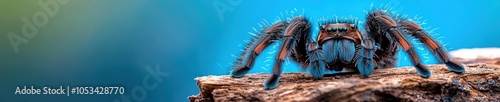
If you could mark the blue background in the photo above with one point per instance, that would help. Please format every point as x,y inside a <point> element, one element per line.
<point>110,43</point>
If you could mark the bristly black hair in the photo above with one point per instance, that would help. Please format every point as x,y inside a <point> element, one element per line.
<point>333,20</point>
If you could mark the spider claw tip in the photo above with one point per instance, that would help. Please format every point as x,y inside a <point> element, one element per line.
<point>455,67</point>
<point>272,82</point>
<point>423,71</point>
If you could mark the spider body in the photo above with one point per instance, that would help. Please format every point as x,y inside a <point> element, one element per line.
<point>341,45</point>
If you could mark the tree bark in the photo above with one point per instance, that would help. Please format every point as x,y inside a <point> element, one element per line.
<point>480,82</point>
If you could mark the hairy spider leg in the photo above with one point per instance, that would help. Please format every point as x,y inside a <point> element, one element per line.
<point>295,30</point>
<point>256,47</point>
<point>365,62</point>
<point>387,26</point>
<point>415,30</point>
<point>317,63</point>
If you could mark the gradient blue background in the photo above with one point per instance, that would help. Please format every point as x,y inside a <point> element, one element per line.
<point>109,43</point>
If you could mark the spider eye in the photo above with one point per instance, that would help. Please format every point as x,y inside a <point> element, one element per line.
<point>353,26</point>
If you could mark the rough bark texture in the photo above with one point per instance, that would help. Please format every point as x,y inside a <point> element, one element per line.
<point>480,82</point>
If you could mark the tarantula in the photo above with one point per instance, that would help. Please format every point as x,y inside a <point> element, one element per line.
<point>340,45</point>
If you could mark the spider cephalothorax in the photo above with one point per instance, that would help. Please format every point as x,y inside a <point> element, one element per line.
<point>342,46</point>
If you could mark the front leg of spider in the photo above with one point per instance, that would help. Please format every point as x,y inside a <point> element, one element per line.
<point>385,25</point>
<point>365,62</point>
<point>265,38</point>
<point>292,33</point>
<point>317,64</point>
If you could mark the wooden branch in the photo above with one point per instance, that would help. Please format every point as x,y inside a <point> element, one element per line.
<point>479,83</point>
